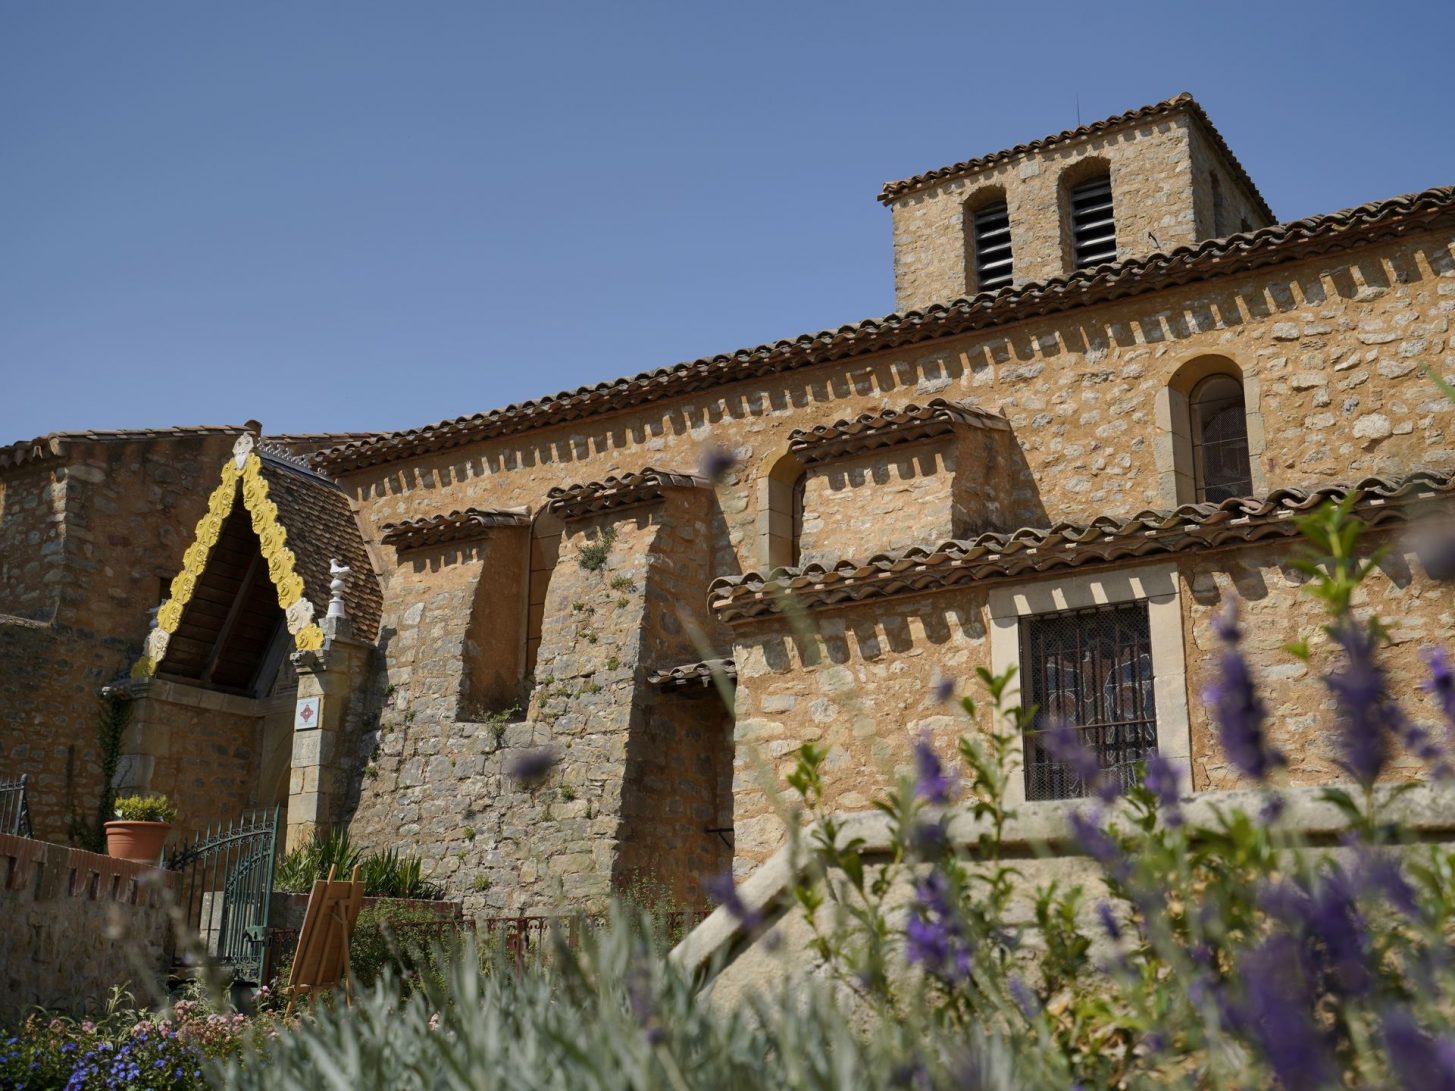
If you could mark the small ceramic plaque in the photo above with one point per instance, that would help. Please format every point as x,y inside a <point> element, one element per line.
<point>305,715</point>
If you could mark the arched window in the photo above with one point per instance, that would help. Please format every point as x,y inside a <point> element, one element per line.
<point>1219,429</point>
<point>780,510</point>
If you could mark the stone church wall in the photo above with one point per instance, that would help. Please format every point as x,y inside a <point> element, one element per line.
<point>109,521</point>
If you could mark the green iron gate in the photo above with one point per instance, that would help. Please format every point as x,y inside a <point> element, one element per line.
<point>224,885</point>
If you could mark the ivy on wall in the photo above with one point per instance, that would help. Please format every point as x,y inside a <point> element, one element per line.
<point>111,720</point>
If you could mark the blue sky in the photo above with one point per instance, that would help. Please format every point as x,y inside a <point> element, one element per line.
<point>354,216</point>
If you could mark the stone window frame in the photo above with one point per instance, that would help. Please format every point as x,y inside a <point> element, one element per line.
<point>1159,587</point>
<point>1173,446</point>
<point>780,509</point>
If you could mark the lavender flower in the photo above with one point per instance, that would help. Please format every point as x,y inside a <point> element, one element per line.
<point>722,889</point>
<point>1024,999</point>
<point>933,936</point>
<point>929,839</point>
<point>530,769</point>
<point>716,463</point>
<point>933,784</point>
<point>1237,709</point>
<point>942,690</point>
<point>1366,713</point>
<point>1161,779</point>
<point>1420,1062</point>
<point>643,1005</point>
<point>1109,922</point>
<point>1086,831</point>
<point>1441,683</point>
<point>1325,918</point>
<point>1064,744</point>
<point>1275,1013</point>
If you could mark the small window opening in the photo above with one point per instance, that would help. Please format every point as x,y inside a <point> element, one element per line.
<point>1220,440</point>
<point>992,247</point>
<point>1093,228</point>
<point>1092,671</point>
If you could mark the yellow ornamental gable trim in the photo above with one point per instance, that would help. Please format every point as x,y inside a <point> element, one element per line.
<point>273,536</point>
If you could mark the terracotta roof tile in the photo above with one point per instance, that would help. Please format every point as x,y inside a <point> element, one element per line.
<point>1279,244</point>
<point>1183,103</point>
<point>57,444</point>
<point>1379,502</point>
<point>321,527</point>
<point>614,493</point>
<point>694,674</point>
<point>887,428</point>
<point>457,526</point>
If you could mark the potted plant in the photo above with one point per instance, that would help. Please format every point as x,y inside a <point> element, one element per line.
<point>141,828</point>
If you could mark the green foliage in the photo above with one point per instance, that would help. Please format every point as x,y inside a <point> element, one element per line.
<point>112,717</point>
<point>593,555</point>
<point>385,874</point>
<point>298,870</point>
<point>402,945</point>
<point>614,1013</point>
<point>150,808</point>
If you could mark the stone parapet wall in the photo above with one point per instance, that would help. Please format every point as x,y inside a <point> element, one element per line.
<point>76,926</point>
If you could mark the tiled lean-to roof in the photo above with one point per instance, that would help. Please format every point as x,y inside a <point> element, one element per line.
<point>457,526</point>
<point>694,675</point>
<point>1183,103</point>
<point>1279,244</point>
<point>615,493</point>
<point>887,428</point>
<point>1378,501</point>
<point>57,444</point>
<point>321,528</point>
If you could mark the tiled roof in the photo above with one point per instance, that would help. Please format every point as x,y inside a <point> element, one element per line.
<point>694,675</point>
<point>1378,501</point>
<point>321,527</point>
<point>1241,253</point>
<point>614,493</point>
<point>457,526</point>
<point>1183,103</point>
<point>886,428</point>
<point>56,444</point>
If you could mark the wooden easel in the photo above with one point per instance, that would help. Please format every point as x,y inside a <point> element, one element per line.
<point>322,958</point>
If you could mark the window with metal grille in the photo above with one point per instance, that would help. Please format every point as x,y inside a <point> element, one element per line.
<point>1091,670</point>
<point>992,247</point>
<point>1221,463</point>
<point>1093,228</point>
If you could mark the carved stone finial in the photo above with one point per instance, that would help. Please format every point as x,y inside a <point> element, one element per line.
<point>242,448</point>
<point>336,589</point>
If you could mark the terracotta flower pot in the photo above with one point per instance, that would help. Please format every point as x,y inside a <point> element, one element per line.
<point>138,841</point>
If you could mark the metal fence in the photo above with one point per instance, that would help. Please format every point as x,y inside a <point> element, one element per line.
<point>15,807</point>
<point>225,884</point>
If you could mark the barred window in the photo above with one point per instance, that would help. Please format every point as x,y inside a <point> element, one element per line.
<point>1221,462</point>
<point>1091,670</point>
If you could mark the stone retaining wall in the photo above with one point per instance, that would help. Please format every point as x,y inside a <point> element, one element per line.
<point>78,924</point>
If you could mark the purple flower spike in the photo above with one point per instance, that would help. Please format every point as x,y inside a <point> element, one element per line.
<point>1420,1062</point>
<point>1236,707</point>
<point>722,889</point>
<point>717,463</point>
<point>1063,743</point>
<point>1109,923</point>
<point>942,690</point>
<point>933,937</point>
<point>1087,832</point>
<point>531,768</point>
<point>1366,713</point>
<point>933,784</point>
<point>1276,1014</point>
<point>1161,779</point>
<point>1441,683</point>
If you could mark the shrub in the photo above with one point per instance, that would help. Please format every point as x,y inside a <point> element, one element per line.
<point>385,874</point>
<point>153,808</point>
<point>593,555</point>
